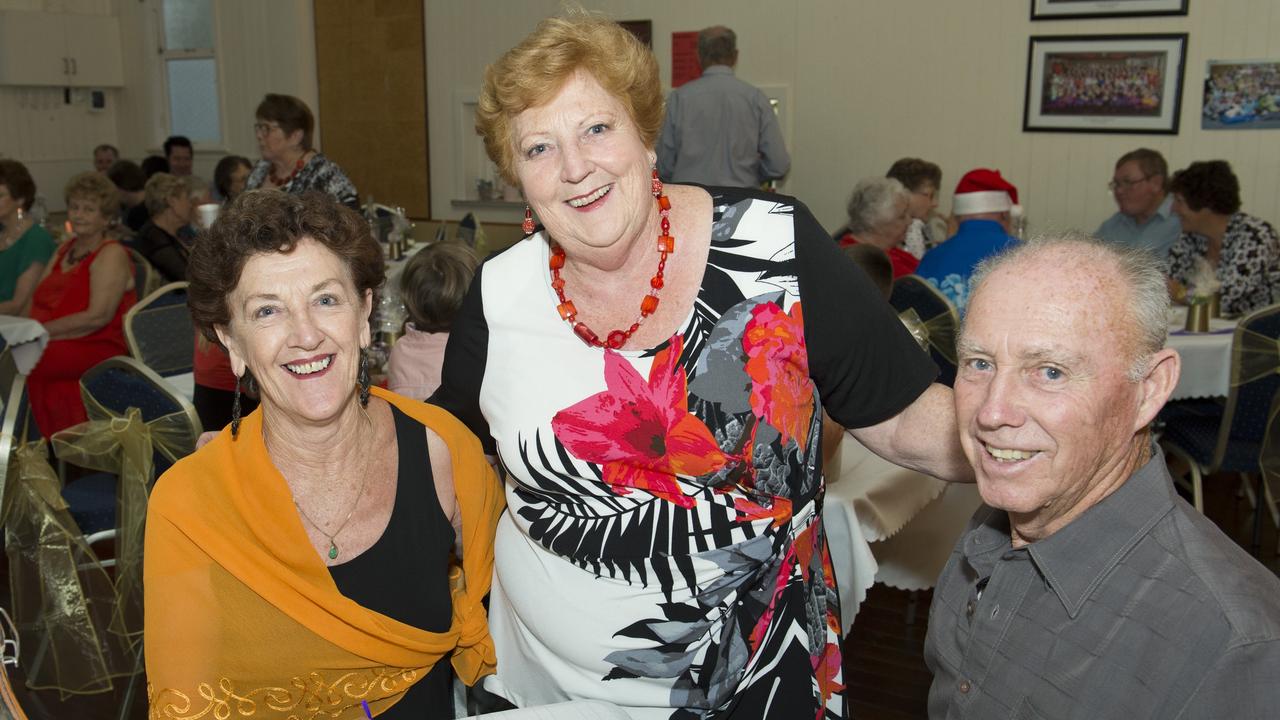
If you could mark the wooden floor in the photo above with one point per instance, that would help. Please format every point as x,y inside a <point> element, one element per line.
<point>884,655</point>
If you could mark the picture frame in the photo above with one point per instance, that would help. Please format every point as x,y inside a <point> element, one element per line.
<point>1090,9</point>
<point>1105,83</point>
<point>1241,95</point>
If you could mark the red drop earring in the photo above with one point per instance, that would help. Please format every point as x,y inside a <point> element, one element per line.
<point>528,220</point>
<point>657,184</point>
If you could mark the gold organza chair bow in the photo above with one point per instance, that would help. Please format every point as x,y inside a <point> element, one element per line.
<point>932,320</point>
<point>85,624</point>
<point>1243,436</point>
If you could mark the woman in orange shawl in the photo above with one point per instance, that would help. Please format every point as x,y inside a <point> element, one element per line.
<point>305,559</point>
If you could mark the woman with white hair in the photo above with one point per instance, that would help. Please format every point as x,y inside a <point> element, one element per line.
<point>879,215</point>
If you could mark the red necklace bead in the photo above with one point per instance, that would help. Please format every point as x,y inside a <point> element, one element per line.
<point>648,304</point>
<point>297,168</point>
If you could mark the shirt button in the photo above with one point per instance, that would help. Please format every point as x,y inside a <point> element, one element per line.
<point>965,687</point>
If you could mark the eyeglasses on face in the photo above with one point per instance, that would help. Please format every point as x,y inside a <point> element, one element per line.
<point>1123,184</point>
<point>264,128</point>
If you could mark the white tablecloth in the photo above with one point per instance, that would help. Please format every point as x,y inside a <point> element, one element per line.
<point>27,338</point>
<point>1206,357</point>
<point>888,524</point>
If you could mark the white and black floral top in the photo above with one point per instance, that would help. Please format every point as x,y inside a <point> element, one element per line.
<point>320,173</point>
<point>1248,269</point>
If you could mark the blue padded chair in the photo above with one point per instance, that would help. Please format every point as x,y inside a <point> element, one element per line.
<point>916,293</point>
<point>117,384</point>
<point>159,332</point>
<point>1214,438</point>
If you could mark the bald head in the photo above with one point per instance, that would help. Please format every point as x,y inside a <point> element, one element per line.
<point>1125,284</point>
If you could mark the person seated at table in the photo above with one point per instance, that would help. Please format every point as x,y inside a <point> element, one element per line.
<point>230,176</point>
<point>922,179</point>
<point>172,208</point>
<point>104,156</point>
<point>878,215</point>
<point>131,182</point>
<point>306,548</point>
<point>1085,587</point>
<point>984,205</point>
<point>875,263</point>
<point>432,286</point>
<point>289,162</point>
<point>1144,216</point>
<point>81,301</point>
<point>25,247</point>
<point>1242,250</point>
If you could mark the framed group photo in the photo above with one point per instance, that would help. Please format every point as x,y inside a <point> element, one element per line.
<point>1104,83</point>
<point>1079,9</point>
<point>1241,94</point>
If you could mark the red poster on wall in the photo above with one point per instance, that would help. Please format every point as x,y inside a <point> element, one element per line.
<point>684,58</point>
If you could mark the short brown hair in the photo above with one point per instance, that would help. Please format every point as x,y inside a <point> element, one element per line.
<point>270,221</point>
<point>1149,161</point>
<point>15,177</point>
<point>531,73</point>
<point>434,282</point>
<point>160,188</point>
<point>913,173</point>
<point>94,186</point>
<point>290,114</point>
<point>1208,184</point>
<point>875,263</point>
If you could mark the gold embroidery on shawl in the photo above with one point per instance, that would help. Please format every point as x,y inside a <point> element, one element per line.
<point>308,696</point>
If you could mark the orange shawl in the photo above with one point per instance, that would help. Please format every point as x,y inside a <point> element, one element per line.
<point>243,618</point>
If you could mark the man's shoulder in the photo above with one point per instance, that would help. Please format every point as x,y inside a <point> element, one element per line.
<point>1224,579</point>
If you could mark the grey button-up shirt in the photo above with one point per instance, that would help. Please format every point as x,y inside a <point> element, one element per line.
<point>1140,608</point>
<point>722,131</point>
<point>1157,234</point>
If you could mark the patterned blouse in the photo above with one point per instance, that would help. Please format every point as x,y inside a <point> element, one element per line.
<point>1248,268</point>
<point>320,173</point>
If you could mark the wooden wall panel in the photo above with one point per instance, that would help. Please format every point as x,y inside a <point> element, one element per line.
<point>371,64</point>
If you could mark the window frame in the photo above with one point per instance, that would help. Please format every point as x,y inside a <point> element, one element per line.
<point>165,55</point>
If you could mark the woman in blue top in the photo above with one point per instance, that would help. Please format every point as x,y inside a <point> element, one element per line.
<point>25,247</point>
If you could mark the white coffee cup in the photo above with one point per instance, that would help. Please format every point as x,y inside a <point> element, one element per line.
<point>206,214</point>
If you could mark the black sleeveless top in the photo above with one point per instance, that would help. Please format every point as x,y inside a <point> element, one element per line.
<point>417,592</point>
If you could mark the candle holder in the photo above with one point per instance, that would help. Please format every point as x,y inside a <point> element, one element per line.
<point>1198,317</point>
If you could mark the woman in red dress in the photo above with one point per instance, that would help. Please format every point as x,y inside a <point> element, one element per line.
<point>81,301</point>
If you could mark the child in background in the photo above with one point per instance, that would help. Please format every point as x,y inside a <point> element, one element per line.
<point>432,287</point>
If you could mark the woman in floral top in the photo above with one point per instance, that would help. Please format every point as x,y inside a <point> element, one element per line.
<point>1243,250</point>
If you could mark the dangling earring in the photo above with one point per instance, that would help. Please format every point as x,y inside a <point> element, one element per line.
<point>657,184</point>
<point>363,379</point>
<point>528,220</point>
<point>235,412</point>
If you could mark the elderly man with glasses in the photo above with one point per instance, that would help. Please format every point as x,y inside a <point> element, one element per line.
<point>1145,217</point>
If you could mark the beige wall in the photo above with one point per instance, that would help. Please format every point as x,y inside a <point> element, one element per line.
<point>873,80</point>
<point>261,47</point>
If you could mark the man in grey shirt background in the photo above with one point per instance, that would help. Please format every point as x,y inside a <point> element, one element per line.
<point>1085,587</point>
<point>1144,217</point>
<point>718,129</point>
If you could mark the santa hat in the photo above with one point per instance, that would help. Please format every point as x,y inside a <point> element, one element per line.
<point>984,191</point>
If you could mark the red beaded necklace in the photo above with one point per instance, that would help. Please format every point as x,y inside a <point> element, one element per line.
<point>296,169</point>
<point>617,338</point>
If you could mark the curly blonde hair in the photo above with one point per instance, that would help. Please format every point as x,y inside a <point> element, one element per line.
<point>96,187</point>
<point>531,73</point>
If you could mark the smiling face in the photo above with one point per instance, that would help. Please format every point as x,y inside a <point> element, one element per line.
<point>298,324</point>
<point>180,160</point>
<point>88,218</point>
<point>1047,415</point>
<point>583,167</point>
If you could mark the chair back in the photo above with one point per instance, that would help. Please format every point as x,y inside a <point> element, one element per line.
<point>158,328</point>
<point>122,382</point>
<point>1249,400</point>
<point>145,277</point>
<point>915,293</point>
<point>16,424</point>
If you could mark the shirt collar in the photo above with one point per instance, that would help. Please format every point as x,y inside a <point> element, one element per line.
<point>1166,207</point>
<point>718,70</point>
<point>1076,559</point>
